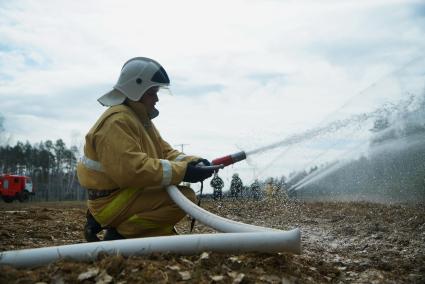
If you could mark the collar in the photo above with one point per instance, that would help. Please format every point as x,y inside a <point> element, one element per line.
<point>140,110</point>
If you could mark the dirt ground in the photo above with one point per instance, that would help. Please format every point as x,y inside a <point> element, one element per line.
<point>351,242</point>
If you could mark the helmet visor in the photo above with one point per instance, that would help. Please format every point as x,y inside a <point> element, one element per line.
<point>160,76</point>
<point>164,90</point>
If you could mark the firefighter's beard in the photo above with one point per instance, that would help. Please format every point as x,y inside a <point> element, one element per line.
<point>140,108</point>
<point>154,113</point>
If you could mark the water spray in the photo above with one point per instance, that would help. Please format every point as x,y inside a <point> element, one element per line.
<point>225,161</point>
<point>354,120</point>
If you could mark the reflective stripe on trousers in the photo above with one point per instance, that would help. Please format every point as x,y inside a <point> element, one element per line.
<point>112,209</point>
<point>143,213</point>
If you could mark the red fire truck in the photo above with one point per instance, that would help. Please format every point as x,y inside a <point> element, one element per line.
<point>15,187</point>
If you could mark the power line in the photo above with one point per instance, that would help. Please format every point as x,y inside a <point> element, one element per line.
<point>181,146</point>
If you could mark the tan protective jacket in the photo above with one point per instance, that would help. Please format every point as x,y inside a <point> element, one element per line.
<point>130,151</point>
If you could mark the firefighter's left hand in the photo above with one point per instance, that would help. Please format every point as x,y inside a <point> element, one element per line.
<point>195,173</point>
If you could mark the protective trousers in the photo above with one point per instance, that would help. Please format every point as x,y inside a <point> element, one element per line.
<point>140,212</point>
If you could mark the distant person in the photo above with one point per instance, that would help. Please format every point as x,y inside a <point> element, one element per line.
<point>127,164</point>
<point>255,190</point>
<point>236,186</point>
<point>217,184</point>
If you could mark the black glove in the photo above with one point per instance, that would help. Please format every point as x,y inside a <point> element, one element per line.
<point>196,173</point>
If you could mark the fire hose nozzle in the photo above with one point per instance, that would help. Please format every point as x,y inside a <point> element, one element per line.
<point>230,159</point>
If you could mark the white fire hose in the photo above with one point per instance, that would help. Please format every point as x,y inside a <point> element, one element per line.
<point>238,237</point>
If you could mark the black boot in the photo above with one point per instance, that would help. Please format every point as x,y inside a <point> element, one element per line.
<point>91,228</point>
<point>112,234</point>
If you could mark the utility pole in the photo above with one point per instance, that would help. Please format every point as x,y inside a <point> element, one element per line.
<point>181,146</point>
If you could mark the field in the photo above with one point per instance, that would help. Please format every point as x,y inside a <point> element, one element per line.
<point>344,242</point>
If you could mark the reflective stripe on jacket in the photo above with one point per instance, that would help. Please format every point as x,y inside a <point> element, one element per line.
<point>131,153</point>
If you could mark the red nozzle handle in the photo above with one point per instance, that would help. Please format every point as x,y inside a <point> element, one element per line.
<point>230,159</point>
<point>227,160</point>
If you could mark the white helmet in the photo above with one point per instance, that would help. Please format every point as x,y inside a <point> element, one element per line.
<point>137,76</point>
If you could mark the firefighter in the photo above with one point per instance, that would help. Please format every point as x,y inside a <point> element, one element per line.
<point>236,186</point>
<point>217,184</point>
<point>255,189</point>
<point>127,164</point>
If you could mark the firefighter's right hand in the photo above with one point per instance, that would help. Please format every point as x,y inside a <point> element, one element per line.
<point>197,173</point>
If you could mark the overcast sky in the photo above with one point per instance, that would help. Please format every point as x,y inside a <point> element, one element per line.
<point>244,74</point>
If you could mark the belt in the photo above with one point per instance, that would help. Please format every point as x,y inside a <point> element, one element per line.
<point>94,194</point>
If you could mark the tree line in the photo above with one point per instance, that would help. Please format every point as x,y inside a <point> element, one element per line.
<point>51,166</point>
